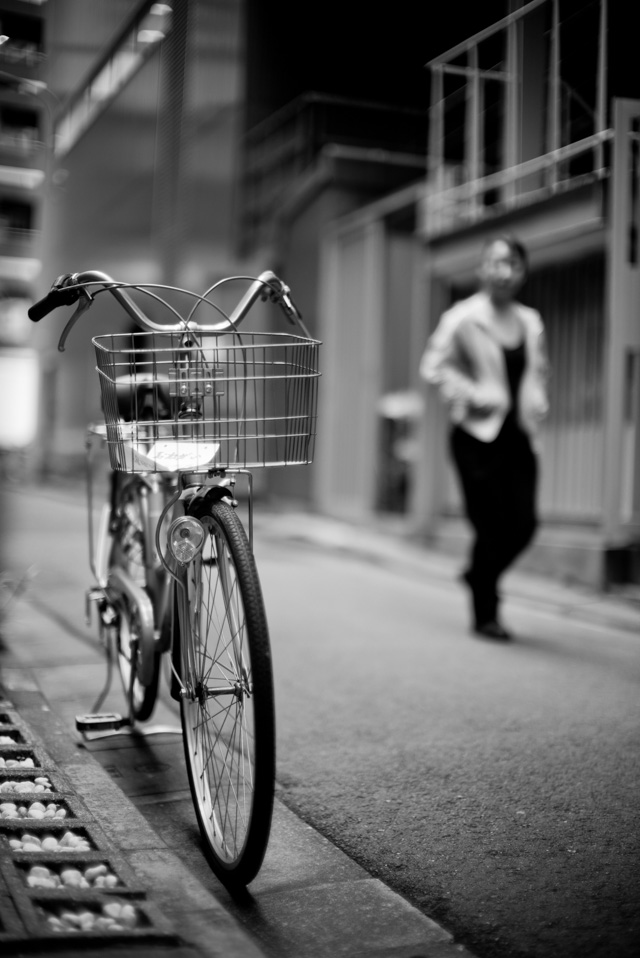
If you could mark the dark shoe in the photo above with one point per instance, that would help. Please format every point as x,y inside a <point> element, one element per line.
<point>493,630</point>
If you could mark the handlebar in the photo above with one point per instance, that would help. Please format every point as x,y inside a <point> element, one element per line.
<point>75,288</point>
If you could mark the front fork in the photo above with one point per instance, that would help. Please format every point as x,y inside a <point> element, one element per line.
<point>181,614</point>
<point>184,670</point>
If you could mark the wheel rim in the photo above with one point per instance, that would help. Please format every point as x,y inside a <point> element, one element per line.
<point>130,557</point>
<point>218,708</point>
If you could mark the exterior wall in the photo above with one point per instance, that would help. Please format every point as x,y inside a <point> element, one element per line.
<point>370,310</point>
<point>571,300</point>
<point>298,261</point>
<point>317,255</point>
<point>622,411</point>
<point>352,320</point>
<point>567,238</point>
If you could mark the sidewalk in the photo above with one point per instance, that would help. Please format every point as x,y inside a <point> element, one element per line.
<point>379,545</point>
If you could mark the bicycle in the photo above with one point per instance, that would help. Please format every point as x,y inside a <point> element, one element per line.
<point>188,407</point>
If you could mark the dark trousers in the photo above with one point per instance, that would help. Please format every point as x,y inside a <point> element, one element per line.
<point>499,484</point>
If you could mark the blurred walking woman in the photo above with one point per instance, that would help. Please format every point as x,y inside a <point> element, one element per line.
<point>487,360</point>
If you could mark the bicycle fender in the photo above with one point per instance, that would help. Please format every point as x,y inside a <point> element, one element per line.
<point>216,493</point>
<point>208,494</point>
<point>122,585</point>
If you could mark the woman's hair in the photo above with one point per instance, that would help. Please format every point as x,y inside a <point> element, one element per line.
<point>517,248</point>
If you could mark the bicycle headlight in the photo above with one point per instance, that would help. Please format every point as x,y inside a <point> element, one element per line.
<point>186,538</point>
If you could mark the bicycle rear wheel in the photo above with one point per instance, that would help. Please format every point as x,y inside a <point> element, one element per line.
<point>227,712</point>
<point>129,553</point>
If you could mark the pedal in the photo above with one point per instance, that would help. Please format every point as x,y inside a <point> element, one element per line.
<point>100,722</point>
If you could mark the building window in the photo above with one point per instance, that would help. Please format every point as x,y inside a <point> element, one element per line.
<point>15,215</point>
<point>19,128</point>
<point>23,43</point>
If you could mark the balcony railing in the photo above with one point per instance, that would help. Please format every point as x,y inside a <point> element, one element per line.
<point>507,125</point>
<point>452,200</point>
<point>23,55</point>
<point>20,142</point>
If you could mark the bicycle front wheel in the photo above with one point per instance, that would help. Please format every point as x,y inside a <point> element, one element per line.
<point>227,708</point>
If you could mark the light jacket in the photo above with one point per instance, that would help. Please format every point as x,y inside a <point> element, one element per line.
<point>466,363</point>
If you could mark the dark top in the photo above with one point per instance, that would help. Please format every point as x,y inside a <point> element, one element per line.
<point>511,437</point>
<point>515,361</point>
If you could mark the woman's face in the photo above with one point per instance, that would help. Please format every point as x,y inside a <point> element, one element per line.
<point>502,271</point>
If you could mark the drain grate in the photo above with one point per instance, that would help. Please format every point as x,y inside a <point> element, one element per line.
<point>61,879</point>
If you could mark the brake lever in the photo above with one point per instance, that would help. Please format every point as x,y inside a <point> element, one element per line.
<point>282,297</point>
<point>289,305</point>
<point>84,303</point>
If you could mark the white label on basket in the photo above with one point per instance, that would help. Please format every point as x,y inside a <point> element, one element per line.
<point>174,455</point>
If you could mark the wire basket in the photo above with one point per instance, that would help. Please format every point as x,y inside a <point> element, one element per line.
<point>174,403</point>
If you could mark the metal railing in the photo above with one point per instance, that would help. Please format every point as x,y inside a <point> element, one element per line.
<point>23,55</point>
<point>22,142</point>
<point>506,126</point>
<point>17,242</point>
<point>447,206</point>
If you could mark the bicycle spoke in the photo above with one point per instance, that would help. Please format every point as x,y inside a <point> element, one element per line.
<point>232,643</point>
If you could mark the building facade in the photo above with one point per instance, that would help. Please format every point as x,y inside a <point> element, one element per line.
<point>199,138</point>
<point>23,126</point>
<point>524,139</point>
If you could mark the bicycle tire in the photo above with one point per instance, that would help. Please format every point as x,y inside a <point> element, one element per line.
<point>230,747</point>
<point>128,552</point>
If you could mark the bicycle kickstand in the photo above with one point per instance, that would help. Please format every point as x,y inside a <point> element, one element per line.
<point>95,720</point>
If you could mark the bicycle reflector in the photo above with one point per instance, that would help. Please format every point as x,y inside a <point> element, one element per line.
<point>186,538</point>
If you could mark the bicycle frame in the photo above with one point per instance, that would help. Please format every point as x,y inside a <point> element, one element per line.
<point>162,498</point>
<point>191,383</point>
<point>153,493</point>
<point>114,586</point>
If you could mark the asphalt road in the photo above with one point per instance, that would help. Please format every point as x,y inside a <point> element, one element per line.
<point>495,787</point>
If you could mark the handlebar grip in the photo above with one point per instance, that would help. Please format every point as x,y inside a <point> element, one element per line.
<point>54,298</point>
